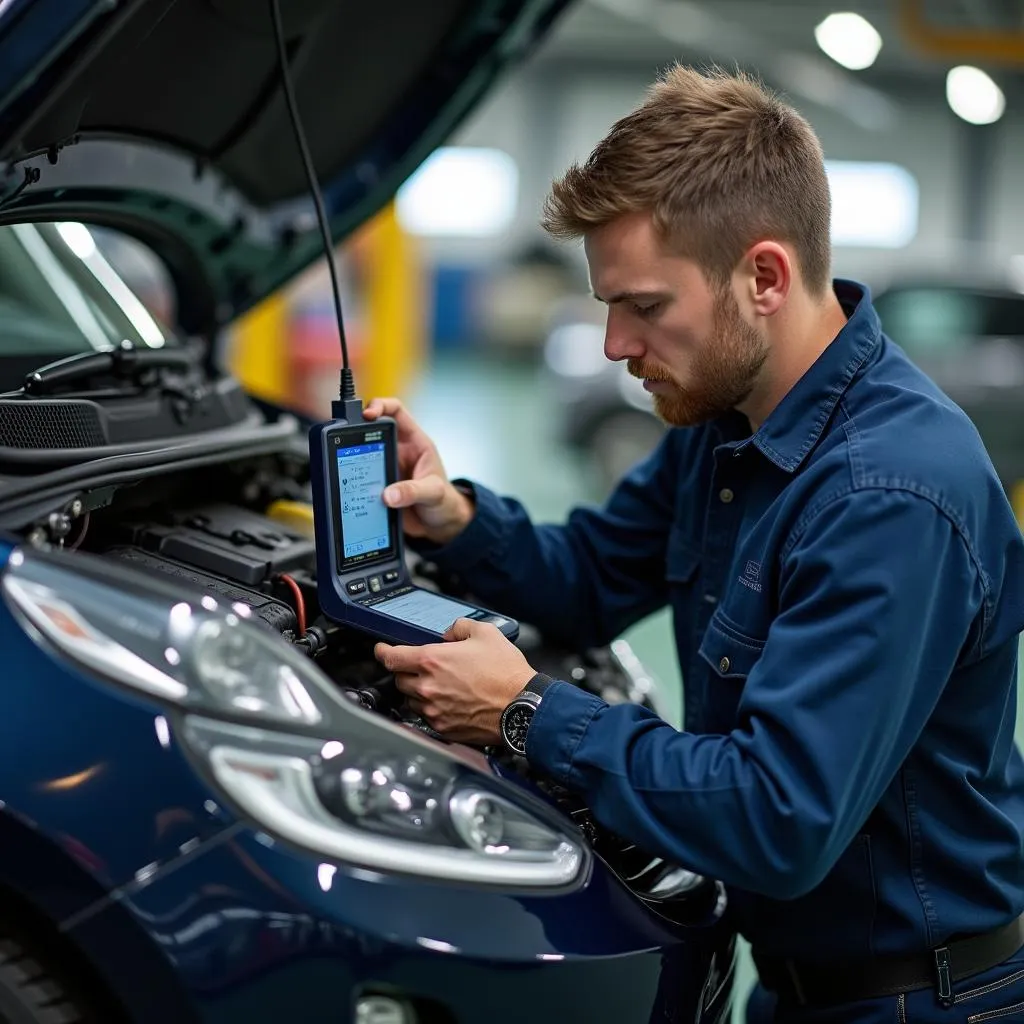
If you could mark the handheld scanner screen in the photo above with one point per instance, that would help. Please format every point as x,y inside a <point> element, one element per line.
<point>362,465</point>
<point>362,477</point>
<point>425,609</point>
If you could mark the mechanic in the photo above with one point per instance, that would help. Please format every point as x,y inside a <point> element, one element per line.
<point>845,572</point>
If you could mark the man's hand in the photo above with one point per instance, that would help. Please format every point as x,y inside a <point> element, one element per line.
<point>461,686</point>
<point>433,507</point>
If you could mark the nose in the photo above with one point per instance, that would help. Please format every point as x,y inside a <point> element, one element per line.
<point>620,342</point>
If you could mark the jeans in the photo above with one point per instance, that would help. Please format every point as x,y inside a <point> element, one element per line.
<point>995,996</point>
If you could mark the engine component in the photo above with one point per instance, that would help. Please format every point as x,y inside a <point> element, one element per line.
<point>276,614</point>
<point>71,423</point>
<point>313,641</point>
<point>294,515</point>
<point>226,540</point>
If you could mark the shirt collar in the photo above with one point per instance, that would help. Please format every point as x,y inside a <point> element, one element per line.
<point>794,426</point>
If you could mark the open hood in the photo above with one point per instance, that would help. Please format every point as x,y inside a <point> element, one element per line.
<point>166,119</point>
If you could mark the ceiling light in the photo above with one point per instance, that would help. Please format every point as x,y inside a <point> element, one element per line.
<point>849,40</point>
<point>972,95</point>
<point>873,204</point>
<point>460,191</point>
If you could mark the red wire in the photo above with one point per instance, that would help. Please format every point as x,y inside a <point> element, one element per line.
<point>300,601</point>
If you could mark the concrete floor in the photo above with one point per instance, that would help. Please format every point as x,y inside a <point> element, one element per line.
<point>488,418</point>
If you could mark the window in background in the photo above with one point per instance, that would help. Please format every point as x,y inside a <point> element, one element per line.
<point>462,192</point>
<point>937,320</point>
<point>873,204</point>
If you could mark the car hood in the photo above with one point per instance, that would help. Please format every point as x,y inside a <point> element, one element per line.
<point>165,119</point>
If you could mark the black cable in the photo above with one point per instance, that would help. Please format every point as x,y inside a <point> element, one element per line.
<point>348,387</point>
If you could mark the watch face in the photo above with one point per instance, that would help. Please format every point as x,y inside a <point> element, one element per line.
<point>515,723</point>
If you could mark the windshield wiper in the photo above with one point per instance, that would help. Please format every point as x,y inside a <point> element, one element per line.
<point>125,361</point>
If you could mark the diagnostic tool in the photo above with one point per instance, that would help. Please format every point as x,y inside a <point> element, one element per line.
<point>362,578</point>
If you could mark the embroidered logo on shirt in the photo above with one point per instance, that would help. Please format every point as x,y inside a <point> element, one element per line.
<point>752,576</point>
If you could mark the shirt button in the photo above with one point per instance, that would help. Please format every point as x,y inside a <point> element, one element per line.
<point>725,495</point>
<point>724,665</point>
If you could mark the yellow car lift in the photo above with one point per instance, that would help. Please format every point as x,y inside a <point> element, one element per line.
<point>392,320</point>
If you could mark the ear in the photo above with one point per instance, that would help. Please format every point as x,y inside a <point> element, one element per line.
<point>767,275</point>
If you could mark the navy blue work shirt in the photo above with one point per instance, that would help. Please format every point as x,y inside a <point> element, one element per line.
<point>847,586</point>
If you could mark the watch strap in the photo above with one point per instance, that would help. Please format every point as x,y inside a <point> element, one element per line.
<point>538,684</point>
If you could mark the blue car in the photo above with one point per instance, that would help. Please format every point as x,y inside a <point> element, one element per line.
<point>214,805</point>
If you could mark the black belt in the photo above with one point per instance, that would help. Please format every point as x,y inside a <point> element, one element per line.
<point>827,984</point>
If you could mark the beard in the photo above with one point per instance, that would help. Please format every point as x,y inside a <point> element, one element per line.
<point>723,373</point>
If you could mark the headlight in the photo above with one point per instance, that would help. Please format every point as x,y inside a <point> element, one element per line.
<point>189,653</point>
<point>300,760</point>
<point>384,802</point>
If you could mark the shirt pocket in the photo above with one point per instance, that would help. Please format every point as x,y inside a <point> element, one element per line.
<point>730,653</point>
<point>730,657</point>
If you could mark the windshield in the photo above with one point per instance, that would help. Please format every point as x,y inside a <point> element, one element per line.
<point>59,295</point>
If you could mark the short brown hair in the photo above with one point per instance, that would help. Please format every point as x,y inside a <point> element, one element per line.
<point>719,162</point>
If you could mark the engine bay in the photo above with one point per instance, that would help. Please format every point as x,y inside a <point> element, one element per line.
<point>250,541</point>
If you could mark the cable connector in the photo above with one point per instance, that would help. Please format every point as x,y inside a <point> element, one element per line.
<point>312,642</point>
<point>348,409</point>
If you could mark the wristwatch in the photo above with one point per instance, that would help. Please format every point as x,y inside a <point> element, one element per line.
<point>517,716</point>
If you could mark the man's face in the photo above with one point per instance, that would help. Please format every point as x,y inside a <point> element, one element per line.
<point>686,340</point>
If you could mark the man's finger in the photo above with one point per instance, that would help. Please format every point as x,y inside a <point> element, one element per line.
<point>427,490</point>
<point>398,659</point>
<point>407,683</point>
<point>393,407</point>
<point>463,629</point>
<point>383,407</point>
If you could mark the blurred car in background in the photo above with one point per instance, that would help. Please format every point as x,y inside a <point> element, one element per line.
<point>967,336</point>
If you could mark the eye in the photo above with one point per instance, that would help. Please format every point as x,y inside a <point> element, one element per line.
<point>647,311</point>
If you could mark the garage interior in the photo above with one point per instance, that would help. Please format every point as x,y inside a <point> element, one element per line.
<point>458,303</point>
<point>504,303</point>
<point>949,212</point>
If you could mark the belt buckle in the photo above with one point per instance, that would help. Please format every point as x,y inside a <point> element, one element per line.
<point>945,978</point>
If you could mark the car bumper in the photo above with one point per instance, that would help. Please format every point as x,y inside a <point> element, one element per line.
<point>248,929</point>
<point>184,913</point>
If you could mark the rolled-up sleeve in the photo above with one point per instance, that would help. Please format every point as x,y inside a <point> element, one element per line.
<point>879,596</point>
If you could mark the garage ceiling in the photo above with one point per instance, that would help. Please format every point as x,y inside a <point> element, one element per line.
<point>777,38</point>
